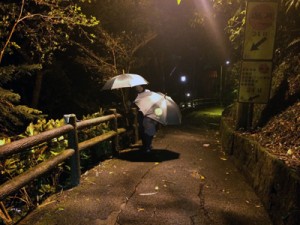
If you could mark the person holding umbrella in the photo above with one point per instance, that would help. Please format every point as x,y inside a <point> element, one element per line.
<point>147,126</point>
<point>154,108</point>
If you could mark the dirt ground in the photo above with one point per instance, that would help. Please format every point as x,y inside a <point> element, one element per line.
<point>187,179</point>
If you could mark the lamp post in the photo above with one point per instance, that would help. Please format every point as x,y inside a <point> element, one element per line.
<point>222,79</point>
<point>183,80</point>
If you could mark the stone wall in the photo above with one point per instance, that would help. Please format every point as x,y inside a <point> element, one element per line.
<point>277,185</point>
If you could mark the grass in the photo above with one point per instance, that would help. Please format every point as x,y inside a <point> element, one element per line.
<point>208,116</point>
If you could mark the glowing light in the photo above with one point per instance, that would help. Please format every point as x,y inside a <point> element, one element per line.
<point>183,78</point>
<point>158,111</point>
<point>209,15</point>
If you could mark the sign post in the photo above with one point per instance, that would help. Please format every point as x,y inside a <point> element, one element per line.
<point>255,77</point>
<point>260,30</point>
<point>255,81</point>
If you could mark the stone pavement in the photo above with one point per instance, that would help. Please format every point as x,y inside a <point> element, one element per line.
<point>186,180</point>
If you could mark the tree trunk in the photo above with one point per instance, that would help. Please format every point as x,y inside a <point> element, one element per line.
<point>37,89</point>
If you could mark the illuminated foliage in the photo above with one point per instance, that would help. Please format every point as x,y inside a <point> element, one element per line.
<point>40,27</point>
<point>30,33</point>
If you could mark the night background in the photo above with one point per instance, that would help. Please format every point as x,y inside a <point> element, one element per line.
<point>161,41</point>
<point>55,57</point>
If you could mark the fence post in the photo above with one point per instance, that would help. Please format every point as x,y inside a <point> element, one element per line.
<point>135,125</point>
<point>4,215</point>
<point>116,138</point>
<point>73,144</point>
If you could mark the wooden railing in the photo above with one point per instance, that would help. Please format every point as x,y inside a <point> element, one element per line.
<point>70,129</point>
<point>196,103</point>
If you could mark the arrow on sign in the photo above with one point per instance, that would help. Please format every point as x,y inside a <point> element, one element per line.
<point>259,43</point>
<point>253,97</point>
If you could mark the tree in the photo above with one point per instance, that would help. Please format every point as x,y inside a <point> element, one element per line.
<point>31,32</point>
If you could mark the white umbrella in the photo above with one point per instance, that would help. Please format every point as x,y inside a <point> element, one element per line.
<point>159,107</point>
<point>124,80</point>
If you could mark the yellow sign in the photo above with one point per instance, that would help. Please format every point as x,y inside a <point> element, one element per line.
<point>260,30</point>
<point>255,81</point>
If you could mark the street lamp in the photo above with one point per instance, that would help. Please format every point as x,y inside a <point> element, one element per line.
<point>222,79</point>
<point>183,78</point>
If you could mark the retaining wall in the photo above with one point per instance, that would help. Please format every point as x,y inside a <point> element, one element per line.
<point>277,185</point>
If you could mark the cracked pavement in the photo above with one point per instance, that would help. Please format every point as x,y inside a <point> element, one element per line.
<point>186,180</point>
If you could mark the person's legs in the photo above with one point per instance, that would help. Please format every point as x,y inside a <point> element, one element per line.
<point>148,142</point>
<point>149,131</point>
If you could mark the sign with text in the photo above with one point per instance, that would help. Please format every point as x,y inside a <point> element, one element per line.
<point>260,30</point>
<point>255,81</point>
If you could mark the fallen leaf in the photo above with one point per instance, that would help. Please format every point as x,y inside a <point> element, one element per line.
<point>150,193</point>
<point>290,152</point>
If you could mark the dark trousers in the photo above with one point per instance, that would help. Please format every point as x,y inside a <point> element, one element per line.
<point>147,144</point>
<point>146,139</point>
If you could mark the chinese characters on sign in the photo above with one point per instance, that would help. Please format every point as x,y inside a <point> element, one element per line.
<point>255,81</point>
<point>260,30</point>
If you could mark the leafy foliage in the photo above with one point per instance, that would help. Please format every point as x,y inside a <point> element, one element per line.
<point>24,200</point>
<point>116,55</point>
<point>38,28</point>
<point>116,44</point>
<point>34,193</point>
<point>12,116</point>
<point>31,32</point>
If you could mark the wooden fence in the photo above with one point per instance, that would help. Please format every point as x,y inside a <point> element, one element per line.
<point>70,129</point>
<point>196,103</point>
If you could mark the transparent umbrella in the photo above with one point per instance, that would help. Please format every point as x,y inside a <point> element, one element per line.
<point>124,80</point>
<point>159,107</point>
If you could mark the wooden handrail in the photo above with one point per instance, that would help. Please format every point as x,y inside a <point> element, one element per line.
<point>20,181</point>
<point>71,152</point>
<point>93,141</point>
<point>95,121</point>
<point>19,145</point>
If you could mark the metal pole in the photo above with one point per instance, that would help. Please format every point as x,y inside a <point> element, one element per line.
<point>221,85</point>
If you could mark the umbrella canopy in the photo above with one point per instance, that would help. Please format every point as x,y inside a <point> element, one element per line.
<point>124,80</point>
<point>159,107</point>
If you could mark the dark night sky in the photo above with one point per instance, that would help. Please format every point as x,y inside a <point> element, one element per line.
<point>193,51</point>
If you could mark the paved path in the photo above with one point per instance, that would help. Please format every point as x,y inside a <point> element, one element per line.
<point>187,180</point>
